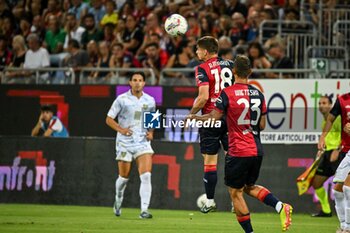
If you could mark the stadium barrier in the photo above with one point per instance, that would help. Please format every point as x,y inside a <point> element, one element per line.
<point>82,171</point>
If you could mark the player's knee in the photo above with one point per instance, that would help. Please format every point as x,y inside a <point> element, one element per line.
<point>236,193</point>
<point>145,177</point>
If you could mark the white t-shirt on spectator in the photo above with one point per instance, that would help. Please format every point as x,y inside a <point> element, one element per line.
<point>37,59</point>
<point>77,34</point>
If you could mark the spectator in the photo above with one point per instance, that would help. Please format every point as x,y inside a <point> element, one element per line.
<point>253,30</point>
<point>103,62</point>
<point>152,26</point>
<point>225,26</point>
<point>207,27</point>
<point>36,57</point>
<point>141,12</point>
<point>5,53</point>
<point>35,7</point>
<point>54,38</point>
<point>126,9</point>
<point>236,6</point>
<point>98,10</point>
<point>120,30</point>
<point>19,52</point>
<point>257,58</point>
<point>91,32</point>
<point>49,125</point>
<point>92,50</point>
<point>225,42</point>
<point>73,30</point>
<point>38,27</point>
<point>193,26</point>
<point>53,9</point>
<point>153,61</point>
<point>8,28</point>
<point>239,31</point>
<point>79,9</point>
<point>121,59</point>
<point>108,33</point>
<point>133,35</point>
<point>280,60</point>
<point>258,5</point>
<point>77,58</point>
<point>111,16</point>
<point>24,25</point>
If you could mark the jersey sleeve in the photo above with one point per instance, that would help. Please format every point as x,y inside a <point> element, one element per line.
<point>115,109</point>
<point>152,107</point>
<point>221,102</point>
<point>56,125</point>
<point>336,110</point>
<point>201,77</point>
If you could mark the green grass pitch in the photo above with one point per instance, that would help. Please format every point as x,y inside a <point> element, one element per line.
<point>16,218</point>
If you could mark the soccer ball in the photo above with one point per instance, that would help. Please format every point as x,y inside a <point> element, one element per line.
<point>201,200</point>
<point>176,25</point>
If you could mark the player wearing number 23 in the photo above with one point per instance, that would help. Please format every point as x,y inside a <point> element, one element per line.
<point>244,107</point>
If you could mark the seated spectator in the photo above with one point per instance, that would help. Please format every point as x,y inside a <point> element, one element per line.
<point>226,54</point>
<point>73,30</point>
<point>280,60</point>
<point>54,40</point>
<point>180,59</point>
<point>53,9</point>
<point>49,125</point>
<point>92,50</point>
<point>225,26</point>
<point>254,22</point>
<point>120,30</point>
<point>19,52</point>
<point>153,61</point>
<point>133,35</point>
<point>193,26</point>
<point>103,62</point>
<point>141,12</point>
<point>225,42</point>
<point>257,58</point>
<point>7,28</point>
<point>36,57</point>
<point>24,25</point>
<point>258,5</point>
<point>91,32</point>
<point>98,10</point>
<point>38,27</point>
<point>111,16</point>
<point>239,31</point>
<point>121,58</point>
<point>79,9</point>
<point>207,28</point>
<point>5,53</point>
<point>236,6</point>
<point>77,58</point>
<point>108,33</point>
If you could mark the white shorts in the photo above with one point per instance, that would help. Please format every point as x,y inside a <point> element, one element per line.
<point>343,170</point>
<point>130,151</point>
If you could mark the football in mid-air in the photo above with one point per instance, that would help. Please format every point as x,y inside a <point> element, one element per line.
<point>201,200</point>
<point>176,25</point>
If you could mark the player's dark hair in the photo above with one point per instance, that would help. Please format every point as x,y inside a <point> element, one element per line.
<point>138,73</point>
<point>329,97</point>
<point>209,43</point>
<point>46,108</point>
<point>242,66</point>
<point>152,44</point>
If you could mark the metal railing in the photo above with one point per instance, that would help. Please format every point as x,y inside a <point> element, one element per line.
<point>341,33</point>
<point>298,35</point>
<point>177,76</point>
<point>115,76</point>
<point>45,75</point>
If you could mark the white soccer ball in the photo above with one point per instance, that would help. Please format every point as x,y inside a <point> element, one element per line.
<point>201,200</point>
<point>176,25</point>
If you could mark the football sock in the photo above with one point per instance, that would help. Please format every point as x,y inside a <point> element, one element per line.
<point>340,207</point>
<point>323,197</point>
<point>245,223</point>
<point>346,190</point>
<point>210,180</point>
<point>145,190</point>
<point>269,199</point>
<point>120,186</point>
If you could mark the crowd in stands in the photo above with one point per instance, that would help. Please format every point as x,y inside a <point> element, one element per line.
<point>130,33</point>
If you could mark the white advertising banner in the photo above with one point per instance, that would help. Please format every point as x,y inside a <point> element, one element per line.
<point>292,106</point>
